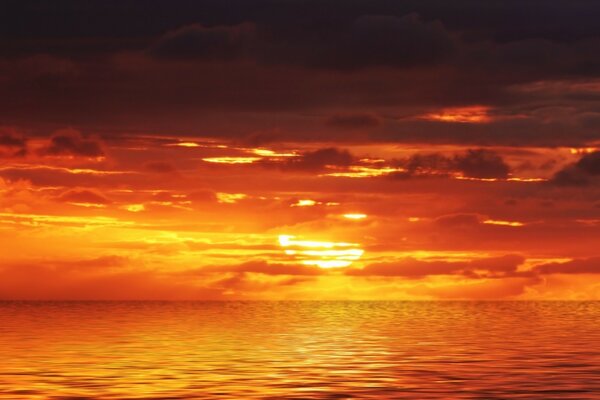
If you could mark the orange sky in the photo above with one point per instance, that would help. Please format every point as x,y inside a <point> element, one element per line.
<point>312,149</point>
<point>159,217</point>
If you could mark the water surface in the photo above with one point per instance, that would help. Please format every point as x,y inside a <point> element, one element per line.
<point>279,350</point>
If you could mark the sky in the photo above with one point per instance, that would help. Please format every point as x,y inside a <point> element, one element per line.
<point>300,150</point>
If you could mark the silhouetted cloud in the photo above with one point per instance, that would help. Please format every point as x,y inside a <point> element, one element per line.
<point>12,145</point>
<point>263,267</point>
<point>207,43</point>
<point>70,142</point>
<point>356,120</point>
<point>579,266</point>
<point>495,267</point>
<point>474,163</point>
<point>481,164</point>
<point>316,160</point>
<point>585,171</point>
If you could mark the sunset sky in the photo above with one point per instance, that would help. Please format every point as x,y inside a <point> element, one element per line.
<point>300,149</point>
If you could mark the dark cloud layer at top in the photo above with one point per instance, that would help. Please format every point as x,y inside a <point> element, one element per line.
<point>242,68</point>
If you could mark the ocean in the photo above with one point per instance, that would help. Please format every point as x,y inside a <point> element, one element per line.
<point>299,350</point>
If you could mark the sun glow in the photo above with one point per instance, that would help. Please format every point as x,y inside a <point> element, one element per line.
<point>304,203</point>
<point>271,153</point>
<point>469,115</point>
<point>186,144</point>
<point>231,160</point>
<point>230,198</point>
<point>504,223</point>
<point>359,171</point>
<point>321,254</point>
<point>355,216</point>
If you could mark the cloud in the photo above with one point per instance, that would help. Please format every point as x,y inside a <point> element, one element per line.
<point>412,268</point>
<point>95,280</point>
<point>582,173</point>
<point>70,142</point>
<point>358,120</point>
<point>83,196</point>
<point>202,42</point>
<point>367,41</point>
<point>458,220</point>
<point>12,145</point>
<point>316,160</point>
<point>263,267</point>
<point>474,163</point>
<point>160,167</point>
<point>580,266</point>
<point>481,163</point>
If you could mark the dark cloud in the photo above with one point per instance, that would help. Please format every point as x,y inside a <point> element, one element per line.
<point>474,163</point>
<point>207,43</point>
<point>317,160</point>
<point>482,163</point>
<point>590,163</point>
<point>71,143</point>
<point>241,69</point>
<point>494,267</point>
<point>263,267</point>
<point>160,167</point>
<point>12,145</point>
<point>583,266</point>
<point>368,40</point>
<point>354,121</point>
<point>582,173</point>
<point>364,41</point>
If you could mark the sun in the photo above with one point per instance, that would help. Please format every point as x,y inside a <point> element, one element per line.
<point>320,253</point>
